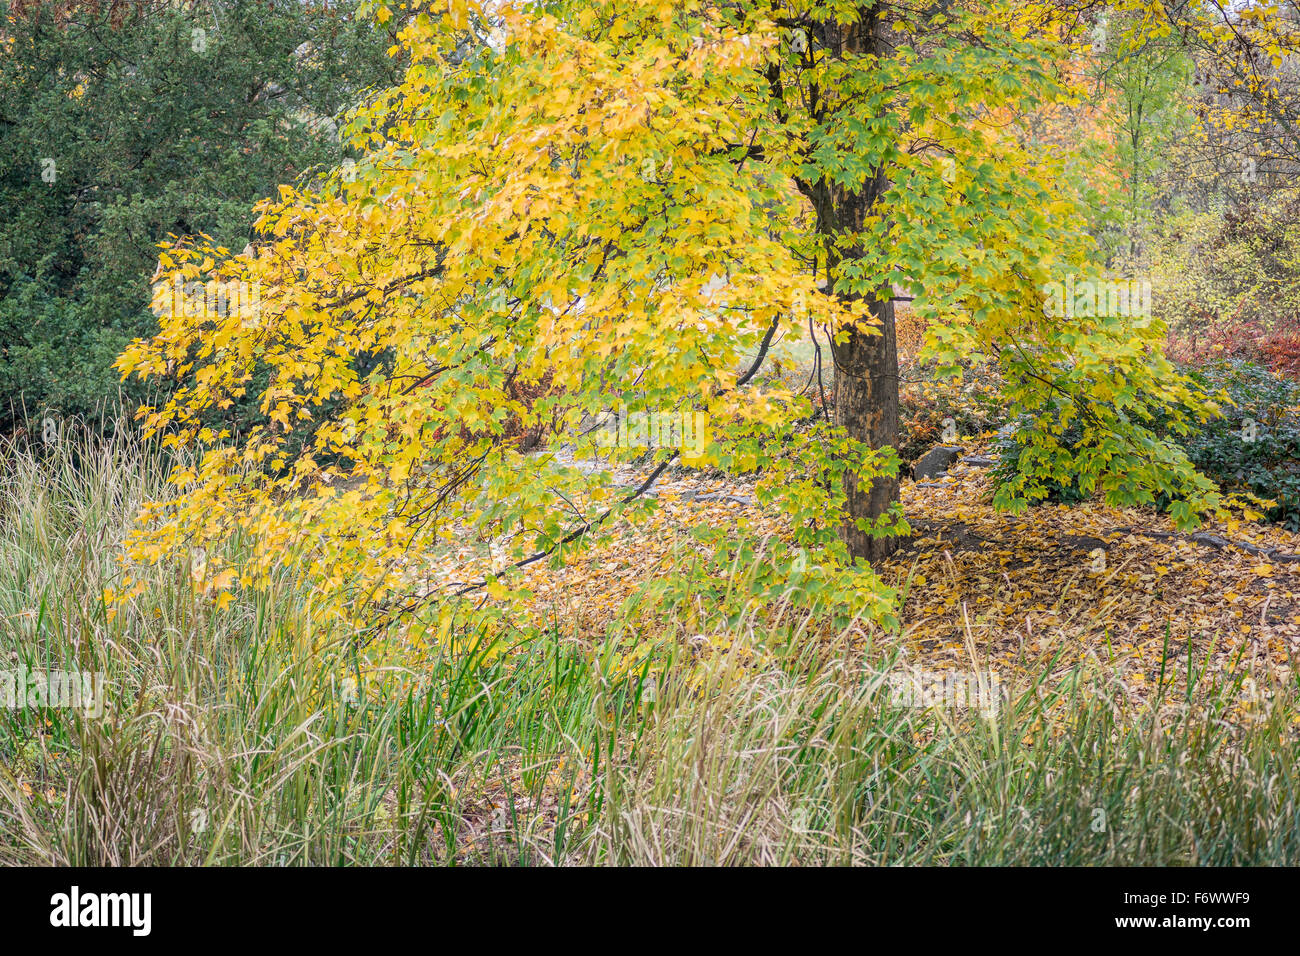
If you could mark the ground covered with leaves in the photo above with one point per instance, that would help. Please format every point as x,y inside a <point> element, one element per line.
<point>989,590</point>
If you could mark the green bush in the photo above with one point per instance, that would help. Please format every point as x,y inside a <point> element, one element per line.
<point>120,129</point>
<point>1253,446</point>
<point>1009,446</point>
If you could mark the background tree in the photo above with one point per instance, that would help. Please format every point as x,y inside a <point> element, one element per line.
<point>1141,81</point>
<point>123,123</point>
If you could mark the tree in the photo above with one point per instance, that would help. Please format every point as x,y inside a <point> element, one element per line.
<point>1142,82</point>
<point>122,123</point>
<point>883,120</point>
<point>624,205</point>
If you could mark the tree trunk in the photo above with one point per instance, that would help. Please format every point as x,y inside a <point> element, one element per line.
<point>866,405</point>
<point>866,365</point>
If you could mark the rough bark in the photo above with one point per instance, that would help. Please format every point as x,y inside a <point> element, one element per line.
<point>866,365</point>
<point>866,396</point>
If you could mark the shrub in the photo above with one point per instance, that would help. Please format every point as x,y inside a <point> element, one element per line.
<point>1226,278</point>
<point>1009,447</point>
<point>1255,445</point>
<point>124,123</point>
<point>1252,447</point>
<point>909,331</point>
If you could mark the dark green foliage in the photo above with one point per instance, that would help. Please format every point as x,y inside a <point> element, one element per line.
<point>1255,445</point>
<point>152,129</point>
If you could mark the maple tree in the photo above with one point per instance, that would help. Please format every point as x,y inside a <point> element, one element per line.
<point>626,203</point>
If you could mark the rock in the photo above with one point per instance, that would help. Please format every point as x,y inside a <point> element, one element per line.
<point>935,461</point>
<point>979,461</point>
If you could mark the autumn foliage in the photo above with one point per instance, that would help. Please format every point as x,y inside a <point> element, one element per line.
<point>626,202</point>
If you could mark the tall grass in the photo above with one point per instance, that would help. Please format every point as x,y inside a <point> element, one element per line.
<point>249,736</point>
